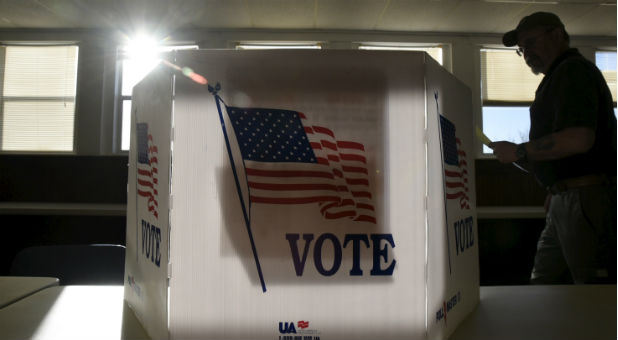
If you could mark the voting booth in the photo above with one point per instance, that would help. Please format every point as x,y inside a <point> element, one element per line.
<point>301,195</point>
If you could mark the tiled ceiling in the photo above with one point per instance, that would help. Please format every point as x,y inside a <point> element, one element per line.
<point>581,17</point>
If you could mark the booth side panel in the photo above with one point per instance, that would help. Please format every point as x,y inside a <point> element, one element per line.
<point>146,261</point>
<point>352,270</point>
<point>453,272</point>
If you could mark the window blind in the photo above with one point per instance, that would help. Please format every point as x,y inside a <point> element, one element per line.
<point>505,77</point>
<point>37,97</point>
<point>606,62</point>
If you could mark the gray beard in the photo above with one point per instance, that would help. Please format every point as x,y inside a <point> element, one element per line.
<point>535,69</point>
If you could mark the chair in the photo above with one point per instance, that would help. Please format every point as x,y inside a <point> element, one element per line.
<point>94,264</point>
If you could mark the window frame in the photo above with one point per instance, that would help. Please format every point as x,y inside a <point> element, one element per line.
<point>606,49</point>
<point>73,99</point>
<point>277,45</point>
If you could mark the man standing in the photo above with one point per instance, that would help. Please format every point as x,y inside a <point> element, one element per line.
<point>572,152</point>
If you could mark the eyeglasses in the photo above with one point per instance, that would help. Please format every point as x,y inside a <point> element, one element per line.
<point>531,42</point>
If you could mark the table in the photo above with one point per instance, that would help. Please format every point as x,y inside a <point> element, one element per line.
<point>511,312</point>
<point>15,288</point>
<point>542,312</point>
<point>71,312</point>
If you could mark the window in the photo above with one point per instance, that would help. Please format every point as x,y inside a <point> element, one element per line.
<point>136,61</point>
<point>507,88</point>
<point>435,52</point>
<point>37,97</point>
<point>278,46</point>
<point>606,62</point>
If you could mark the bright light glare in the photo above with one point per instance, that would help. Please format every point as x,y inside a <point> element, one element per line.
<point>142,48</point>
<point>141,58</point>
<point>74,312</point>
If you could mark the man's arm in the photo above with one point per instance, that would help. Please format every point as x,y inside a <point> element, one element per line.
<point>561,144</point>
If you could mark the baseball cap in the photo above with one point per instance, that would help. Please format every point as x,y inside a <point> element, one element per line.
<point>538,19</point>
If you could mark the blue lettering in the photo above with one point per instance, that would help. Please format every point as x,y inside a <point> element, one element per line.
<point>450,304</point>
<point>317,254</point>
<point>145,234</point>
<point>470,227</point>
<point>439,315</point>
<point>356,238</point>
<point>464,234</point>
<point>151,242</point>
<point>382,252</point>
<point>287,327</point>
<point>157,258</point>
<point>299,265</point>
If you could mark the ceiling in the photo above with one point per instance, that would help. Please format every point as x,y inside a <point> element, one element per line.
<point>581,17</point>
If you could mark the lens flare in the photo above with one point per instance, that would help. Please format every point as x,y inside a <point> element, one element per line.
<point>188,72</point>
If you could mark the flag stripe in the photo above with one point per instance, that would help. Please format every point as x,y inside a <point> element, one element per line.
<point>293,200</point>
<point>145,183</point>
<point>353,157</point>
<point>147,167</point>
<point>144,172</point>
<point>347,213</point>
<point>365,218</point>
<point>293,187</point>
<point>357,181</point>
<point>323,130</point>
<point>329,206</point>
<point>329,145</point>
<point>350,145</point>
<point>365,206</point>
<point>366,194</point>
<point>454,185</point>
<point>333,158</point>
<point>288,173</point>
<point>354,169</point>
<point>449,173</point>
<point>455,164</point>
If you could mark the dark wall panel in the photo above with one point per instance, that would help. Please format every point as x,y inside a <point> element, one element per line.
<point>500,184</point>
<point>506,250</point>
<point>506,246</point>
<point>59,178</point>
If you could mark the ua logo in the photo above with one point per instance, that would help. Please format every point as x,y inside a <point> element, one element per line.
<point>287,327</point>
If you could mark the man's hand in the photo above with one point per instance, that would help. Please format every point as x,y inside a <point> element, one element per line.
<point>504,151</point>
<point>561,144</point>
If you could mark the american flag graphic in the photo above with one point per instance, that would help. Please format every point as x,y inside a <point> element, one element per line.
<point>147,168</point>
<point>455,164</point>
<point>288,160</point>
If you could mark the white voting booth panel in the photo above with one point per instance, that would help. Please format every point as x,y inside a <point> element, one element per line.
<point>312,195</point>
